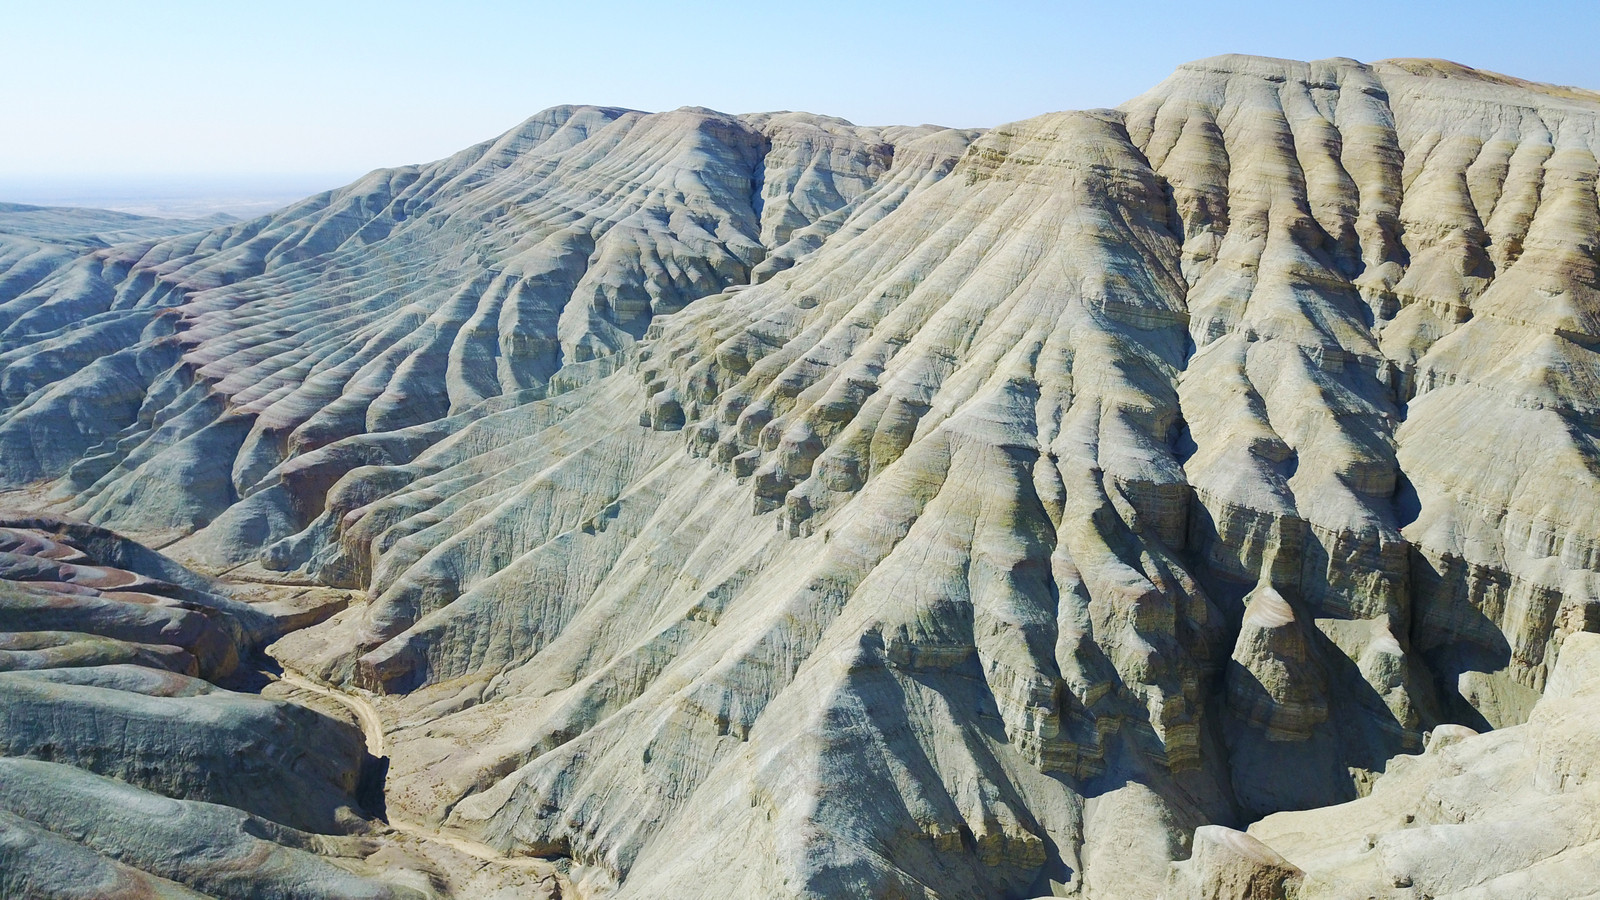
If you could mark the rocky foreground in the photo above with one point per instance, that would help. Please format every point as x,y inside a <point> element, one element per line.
<point>1197,499</point>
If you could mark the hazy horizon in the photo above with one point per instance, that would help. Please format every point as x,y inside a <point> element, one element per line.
<point>242,194</point>
<point>187,108</point>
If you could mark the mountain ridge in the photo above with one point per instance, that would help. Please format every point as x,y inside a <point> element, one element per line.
<point>893,511</point>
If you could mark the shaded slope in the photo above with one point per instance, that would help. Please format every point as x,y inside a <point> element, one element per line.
<point>410,295</point>
<point>887,512</point>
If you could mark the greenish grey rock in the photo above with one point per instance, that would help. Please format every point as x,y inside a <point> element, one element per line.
<point>774,506</point>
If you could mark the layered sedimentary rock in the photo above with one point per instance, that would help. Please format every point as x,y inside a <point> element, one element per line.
<point>123,773</point>
<point>883,511</point>
<point>35,241</point>
<point>1507,814</point>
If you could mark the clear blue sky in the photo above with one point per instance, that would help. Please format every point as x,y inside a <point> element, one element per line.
<point>327,90</point>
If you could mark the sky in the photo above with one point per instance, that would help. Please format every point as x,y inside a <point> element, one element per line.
<point>212,99</point>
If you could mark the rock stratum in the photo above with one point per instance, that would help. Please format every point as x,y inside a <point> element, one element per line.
<point>1196,499</point>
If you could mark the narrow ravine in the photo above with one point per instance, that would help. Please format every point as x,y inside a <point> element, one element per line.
<point>372,726</point>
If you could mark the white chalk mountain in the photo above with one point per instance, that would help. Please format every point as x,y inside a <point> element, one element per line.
<point>767,505</point>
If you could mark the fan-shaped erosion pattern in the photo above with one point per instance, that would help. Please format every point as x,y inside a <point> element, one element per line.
<point>770,505</point>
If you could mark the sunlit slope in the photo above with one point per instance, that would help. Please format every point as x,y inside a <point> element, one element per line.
<point>769,504</point>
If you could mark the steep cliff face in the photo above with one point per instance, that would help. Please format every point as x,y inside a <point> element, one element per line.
<point>888,511</point>
<point>1387,267</point>
<point>1508,814</point>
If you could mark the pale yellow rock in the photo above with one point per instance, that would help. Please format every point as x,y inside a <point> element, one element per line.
<point>1508,814</point>
<point>774,506</point>
<point>1225,864</point>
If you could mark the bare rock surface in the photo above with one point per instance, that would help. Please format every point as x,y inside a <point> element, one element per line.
<point>124,774</point>
<point>35,241</point>
<point>689,504</point>
<point>1225,864</point>
<point>1508,814</point>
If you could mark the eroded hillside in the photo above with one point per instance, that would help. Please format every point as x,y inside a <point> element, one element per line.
<point>767,504</point>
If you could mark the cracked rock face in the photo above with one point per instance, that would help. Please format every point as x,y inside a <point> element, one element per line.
<point>773,505</point>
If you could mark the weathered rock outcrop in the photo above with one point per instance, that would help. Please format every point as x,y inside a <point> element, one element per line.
<point>1508,814</point>
<point>888,511</point>
<point>1225,864</point>
<point>123,774</point>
